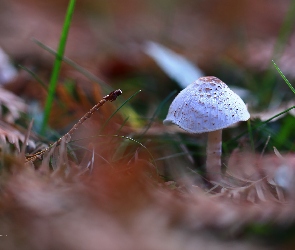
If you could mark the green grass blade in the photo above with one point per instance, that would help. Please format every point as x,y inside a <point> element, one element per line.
<point>273,117</point>
<point>250,134</point>
<point>107,121</point>
<point>258,125</point>
<point>283,76</point>
<point>157,111</point>
<point>34,76</point>
<point>57,65</point>
<point>153,160</point>
<point>77,67</point>
<point>268,84</point>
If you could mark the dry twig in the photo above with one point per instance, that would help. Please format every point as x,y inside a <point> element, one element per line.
<point>110,97</point>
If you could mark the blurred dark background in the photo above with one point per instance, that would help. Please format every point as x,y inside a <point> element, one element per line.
<point>210,33</point>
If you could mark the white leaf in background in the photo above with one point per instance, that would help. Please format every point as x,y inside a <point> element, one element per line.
<point>174,65</point>
<point>180,69</point>
<point>7,71</point>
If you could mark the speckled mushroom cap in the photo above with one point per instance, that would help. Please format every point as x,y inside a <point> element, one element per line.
<point>207,104</point>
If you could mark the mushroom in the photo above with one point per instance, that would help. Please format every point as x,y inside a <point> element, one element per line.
<point>207,105</point>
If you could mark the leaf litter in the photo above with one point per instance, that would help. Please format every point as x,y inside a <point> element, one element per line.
<point>100,198</point>
<point>82,204</point>
<point>130,202</point>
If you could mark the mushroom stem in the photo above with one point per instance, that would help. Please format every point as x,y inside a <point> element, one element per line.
<point>213,162</point>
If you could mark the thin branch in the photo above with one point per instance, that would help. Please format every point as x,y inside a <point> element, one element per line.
<point>110,97</point>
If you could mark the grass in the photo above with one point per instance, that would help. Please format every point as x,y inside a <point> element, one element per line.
<point>284,77</point>
<point>57,66</point>
<point>264,123</point>
<point>149,177</point>
<point>253,127</point>
<point>121,106</point>
<point>77,67</point>
<point>269,81</point>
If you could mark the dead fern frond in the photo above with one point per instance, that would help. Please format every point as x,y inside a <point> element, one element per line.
<point>9,134</point>
<point>14,105</point>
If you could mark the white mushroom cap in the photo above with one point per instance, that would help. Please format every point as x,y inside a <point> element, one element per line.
<point>206,105</point>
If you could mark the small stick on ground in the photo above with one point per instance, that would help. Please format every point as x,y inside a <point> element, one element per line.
<point>110,97</point>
